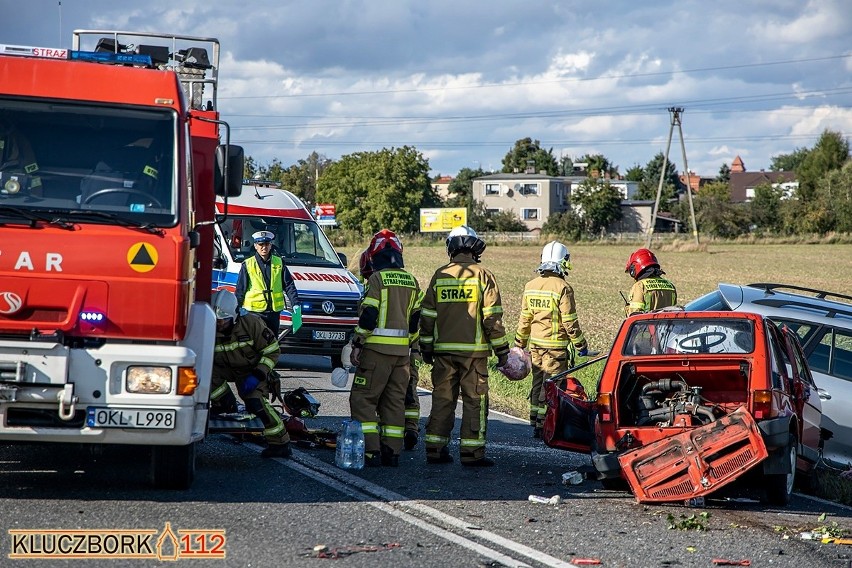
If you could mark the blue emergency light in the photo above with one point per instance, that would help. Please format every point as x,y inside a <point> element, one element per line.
<point>92,317</point>
<point>108,57</point>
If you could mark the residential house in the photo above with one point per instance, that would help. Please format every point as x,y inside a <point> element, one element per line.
<point>535,197</point>
<point>441,185</point>
<point>532,197</point>
<point>743,182</point>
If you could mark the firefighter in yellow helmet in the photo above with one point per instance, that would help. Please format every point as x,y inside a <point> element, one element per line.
<point>387,327</point>
<point>245,354</point>
<point>651,291</point>
<point>549,326</point>
<point>461,324</point>
<point>412,400</point>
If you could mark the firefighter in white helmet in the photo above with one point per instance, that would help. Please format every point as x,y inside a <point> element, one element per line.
<point>461,324</point>
<point>549,326</point>
<point>245,354</point>
<point>387,327</point>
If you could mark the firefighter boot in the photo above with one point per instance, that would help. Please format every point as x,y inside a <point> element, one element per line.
<point>440,457</point>
<point>277,451</point>
<point>410,439</point>
<point>481,462</point>
<point>388,458</point>
<point>372,459</point>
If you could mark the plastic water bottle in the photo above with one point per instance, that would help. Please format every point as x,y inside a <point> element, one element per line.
<point>349,453</point>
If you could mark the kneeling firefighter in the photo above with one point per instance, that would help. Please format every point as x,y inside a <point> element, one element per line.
<point>387,327</point>
<point>245,354</point>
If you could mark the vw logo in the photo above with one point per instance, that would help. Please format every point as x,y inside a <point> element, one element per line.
<point>11,303</point>
<point>328,307</point>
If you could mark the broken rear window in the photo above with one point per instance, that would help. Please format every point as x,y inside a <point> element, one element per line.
<point>690,336</point>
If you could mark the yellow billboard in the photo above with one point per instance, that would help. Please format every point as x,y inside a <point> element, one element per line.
<point>443,219</point>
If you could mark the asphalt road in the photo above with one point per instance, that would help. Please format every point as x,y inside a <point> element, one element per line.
<point>274,512</point>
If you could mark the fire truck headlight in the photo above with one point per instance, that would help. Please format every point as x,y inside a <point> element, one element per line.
<point>149,380</point>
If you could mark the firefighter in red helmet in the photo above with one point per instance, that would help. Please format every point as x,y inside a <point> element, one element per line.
<point>412,400</point>
<point>388,325</point>
<point>651,291</point>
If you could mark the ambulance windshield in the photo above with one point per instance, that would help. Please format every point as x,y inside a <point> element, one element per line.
<point>80,161</point>
<point>299,242</point>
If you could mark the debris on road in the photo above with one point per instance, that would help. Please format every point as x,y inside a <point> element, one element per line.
<point>572,478</point>
<point>725,562</point>
<point>586,561</point>
<point>555,500</point>
<point>323,551</point>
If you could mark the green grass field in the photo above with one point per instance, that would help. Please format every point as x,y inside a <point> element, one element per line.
<point>598,275</point>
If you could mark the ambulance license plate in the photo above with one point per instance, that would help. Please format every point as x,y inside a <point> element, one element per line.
<point>99,417</point>
<point>329,335</point>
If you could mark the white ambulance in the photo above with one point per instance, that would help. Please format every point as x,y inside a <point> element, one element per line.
<point>328,293</point>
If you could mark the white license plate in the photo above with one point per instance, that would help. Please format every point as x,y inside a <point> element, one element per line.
<point>129,418</point>
<point>330,335</point>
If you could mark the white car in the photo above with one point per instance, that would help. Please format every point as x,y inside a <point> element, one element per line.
<point>823,322</point>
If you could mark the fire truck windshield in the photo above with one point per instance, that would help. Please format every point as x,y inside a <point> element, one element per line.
<point>78,158</point>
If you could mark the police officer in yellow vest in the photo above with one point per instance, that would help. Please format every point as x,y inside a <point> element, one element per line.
<point>263,281</point>
<point>461,324</point>
<point>387,327</point>
<point>549,325</point>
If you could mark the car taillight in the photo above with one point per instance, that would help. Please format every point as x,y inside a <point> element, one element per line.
<point>604,406</point>
<point>187,380</point>
<point>761,404</point>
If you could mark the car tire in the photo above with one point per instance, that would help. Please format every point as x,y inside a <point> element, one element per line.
<point>173,467</point>
<point>779,486</point>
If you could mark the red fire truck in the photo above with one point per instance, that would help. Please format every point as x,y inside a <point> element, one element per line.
<point>111,159</point>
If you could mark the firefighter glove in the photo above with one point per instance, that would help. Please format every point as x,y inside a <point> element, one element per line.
<point>502,359</point>
<point>584,352</point>
<point>428,357</point>
<point>249,384</point>
<point>273,383</point>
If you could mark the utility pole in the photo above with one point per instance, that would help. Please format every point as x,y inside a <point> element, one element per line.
<point>675,120</point>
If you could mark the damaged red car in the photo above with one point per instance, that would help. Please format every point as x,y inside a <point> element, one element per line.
<point>688,402</point>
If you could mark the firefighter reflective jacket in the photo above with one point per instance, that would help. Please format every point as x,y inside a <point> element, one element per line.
<point>262,295</point>
<point>462,313</point>
<point>651,294</point>
<point>250,345</point>
<point>390,312</point>
<point>549,314</point>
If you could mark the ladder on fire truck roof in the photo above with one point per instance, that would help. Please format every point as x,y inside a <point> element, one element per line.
<point>188,56</point>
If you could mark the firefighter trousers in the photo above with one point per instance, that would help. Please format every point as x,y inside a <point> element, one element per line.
<point>378,390</point>
<point>257,403</point>
<point>412,401</point>
<point>546,362</point>
<point>453,375</point>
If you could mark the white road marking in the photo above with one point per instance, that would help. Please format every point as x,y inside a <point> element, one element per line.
<point>392,503</point>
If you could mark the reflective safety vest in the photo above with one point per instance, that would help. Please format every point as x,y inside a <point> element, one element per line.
<point>462,312</point>
<point>395,295</point>
<point>259,297</point>
<point>651,294</point>
<point>549,315</point>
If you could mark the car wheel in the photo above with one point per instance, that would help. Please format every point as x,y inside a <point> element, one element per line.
<point>173,467</point>
<point>779,487</point>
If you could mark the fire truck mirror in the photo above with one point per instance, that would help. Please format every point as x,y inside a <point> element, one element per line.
<point>233,185</point>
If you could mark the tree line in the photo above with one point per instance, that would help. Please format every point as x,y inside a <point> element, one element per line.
<point>387,188</point>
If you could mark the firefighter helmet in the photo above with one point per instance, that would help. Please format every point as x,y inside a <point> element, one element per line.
<point>365,266</point>
<point>464,238</point>
<point>224,303</point>
<point>384,251</point>
<point>639,261</point>
<point>555,258</point>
